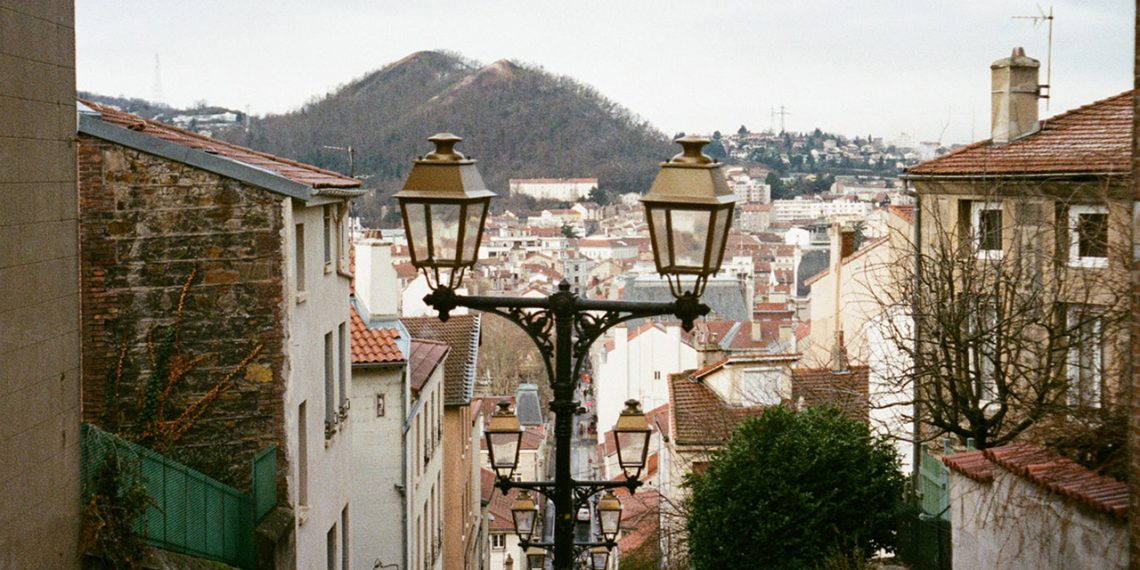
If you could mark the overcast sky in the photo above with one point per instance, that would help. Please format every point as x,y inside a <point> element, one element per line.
<point>852,67</point>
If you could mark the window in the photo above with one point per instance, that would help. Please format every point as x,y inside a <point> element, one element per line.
<point>327,235</point>
<point>380,405</point>
<point>330,548</point>
<point>302,456</point>
<point>330,387</point>
<point>498,541</point>
<point>299,254</point>
<point>342,367</point>
<point>656,374</point>
<point>1088,236</point>
<point>986,229</point>
<point>1086,356</point>
<point>344,558</point>
<point>761,387</point>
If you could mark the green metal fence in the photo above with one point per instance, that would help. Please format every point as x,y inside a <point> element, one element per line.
<point>934,485</point>
<point>193,513</point>
<point>264,482</point>
<point>924,540</point>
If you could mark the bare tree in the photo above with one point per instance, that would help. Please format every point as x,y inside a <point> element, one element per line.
<point>1013,308</point>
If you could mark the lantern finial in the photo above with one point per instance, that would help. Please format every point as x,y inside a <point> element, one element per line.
<point>445,148</point>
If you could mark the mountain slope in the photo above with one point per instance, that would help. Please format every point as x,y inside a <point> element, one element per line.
<point>519,121</point>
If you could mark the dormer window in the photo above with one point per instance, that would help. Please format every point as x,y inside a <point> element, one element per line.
<point>1088,236</point>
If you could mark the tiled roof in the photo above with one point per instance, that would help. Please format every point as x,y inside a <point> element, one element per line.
<point>1095,138</point>
<point>296,171</point>
<point>848,391</point>
<point>1063,476</point>
<point>373,346</point>
<point>972,464</point>
<point>700,417</point>
<point>423,359</point>
<point>461,333</point>
<point>1045,469</point>
<point>639,520</point>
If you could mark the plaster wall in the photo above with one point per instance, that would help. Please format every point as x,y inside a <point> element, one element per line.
<point>1011,523</point>
<point>378,524</point>
<point>318,310</point>
<point>639,369</point>
<point>39,311</point>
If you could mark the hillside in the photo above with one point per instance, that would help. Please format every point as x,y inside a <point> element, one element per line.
<point>518,120</point>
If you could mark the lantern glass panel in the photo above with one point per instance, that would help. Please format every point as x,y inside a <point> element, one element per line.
<point>660,232</point>
<point>690,233</point>
<point>417,219</point>
<point>537,560</point>
<point>471,234</point>
<point>631,448</point>
<point>599,559</point>
<point>722,218</point>
<point>609,521</point>
<point>524,523</point>
<point>446,222</point>
<point>504,449</point>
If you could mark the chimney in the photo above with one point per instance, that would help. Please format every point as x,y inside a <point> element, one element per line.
<point>377,285</point>
<point>1014,97</point>
<point>842,243</point>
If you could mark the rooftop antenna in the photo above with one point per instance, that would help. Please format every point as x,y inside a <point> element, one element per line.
<point>772,121</point>
<point>351,157</point>
<point>1037,20</point>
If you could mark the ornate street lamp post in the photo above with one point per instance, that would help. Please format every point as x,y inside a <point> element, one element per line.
<point>444,204</point>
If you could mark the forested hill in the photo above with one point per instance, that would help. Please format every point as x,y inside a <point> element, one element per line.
<point>518,121</point>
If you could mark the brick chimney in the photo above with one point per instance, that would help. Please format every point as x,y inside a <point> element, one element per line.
<point>1014,97</point>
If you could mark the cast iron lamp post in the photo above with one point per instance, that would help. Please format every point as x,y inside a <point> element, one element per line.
<point>689,208</point>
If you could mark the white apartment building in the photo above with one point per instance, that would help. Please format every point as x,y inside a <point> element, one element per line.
<point>560,189</point>
<point>801,209</point>
<point>636,363</point>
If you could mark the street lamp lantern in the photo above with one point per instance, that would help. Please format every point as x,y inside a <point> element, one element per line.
<point>599,557</point>
<point>609,515</point>
<point>525,511</point>
<point>632,435</point>
<point>689,209</point>
<point>444,204</point>
<point>536,558</point>
<point>504,434</point>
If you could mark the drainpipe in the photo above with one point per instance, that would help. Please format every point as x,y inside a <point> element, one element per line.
<point>916,446</point>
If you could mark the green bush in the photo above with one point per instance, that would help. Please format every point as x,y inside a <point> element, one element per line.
<point>790,490</point>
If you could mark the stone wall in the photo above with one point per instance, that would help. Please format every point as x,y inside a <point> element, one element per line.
<point>39,310</point>
<point>147,225</point>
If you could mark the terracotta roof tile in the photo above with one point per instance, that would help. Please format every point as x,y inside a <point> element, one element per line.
<point>425,357</point>
<point>461,333</point>
<point>700,416</point>
<point>639,520</point>
<point>1095,138</point>
<point>972,464</point>
<point>1064,477</point>
<point>848,391</point>
<point>373,346</point>
<point>296,171</point>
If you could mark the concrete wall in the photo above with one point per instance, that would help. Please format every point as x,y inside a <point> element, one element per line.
<point>320,310</point>
<point>639,369</point>
<point>378,522</point>
<point>39,312</point>
<point>1011,523</point>
<point>425,490</point>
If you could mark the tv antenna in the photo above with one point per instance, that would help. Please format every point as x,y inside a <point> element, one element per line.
<point>1040,18</point>
<point>351,157</point>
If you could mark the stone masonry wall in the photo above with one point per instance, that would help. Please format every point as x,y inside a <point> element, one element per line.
<point>147,224</point>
